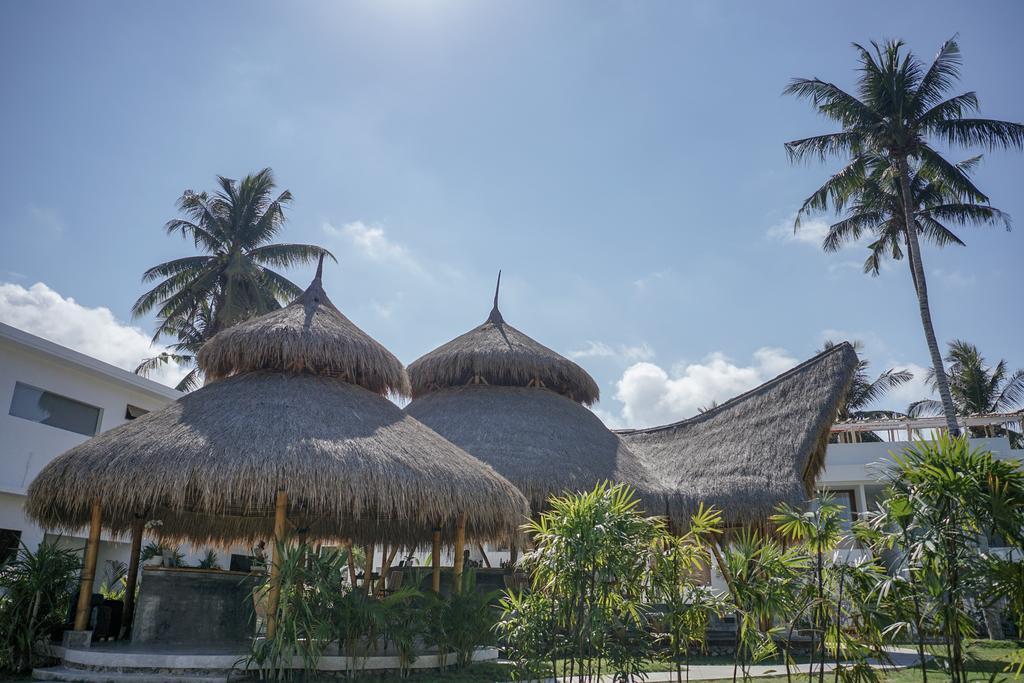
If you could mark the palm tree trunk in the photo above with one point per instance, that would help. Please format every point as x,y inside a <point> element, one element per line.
<point>910,224</point>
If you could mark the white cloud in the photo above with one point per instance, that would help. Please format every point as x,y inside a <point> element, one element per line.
<point>95,332</point>
<point>371,242</point>
<point>597,349</point>
<point>643,283</point>
<point>651,395</point>
<point>812,231</point>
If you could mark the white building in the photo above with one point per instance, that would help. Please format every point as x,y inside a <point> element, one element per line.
<point>52,399</point>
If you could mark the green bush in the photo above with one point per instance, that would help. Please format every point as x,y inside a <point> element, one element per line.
<point>36,589</point>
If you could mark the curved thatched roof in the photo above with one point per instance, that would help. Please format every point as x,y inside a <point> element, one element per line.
<point>497,353</point>
<point>759,449</point>
<point>542,442</point>
<point>307,335</point>
<point>209,466</point>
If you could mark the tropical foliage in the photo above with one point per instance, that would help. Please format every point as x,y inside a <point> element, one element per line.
<point>894,175</point>
<point>36,589</point>
<point>865,391</point>
<point>318,606</point>
<point>977,388</point>
<point>233,278</point>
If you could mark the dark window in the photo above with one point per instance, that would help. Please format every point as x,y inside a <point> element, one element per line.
<point>39,405</point>
<point>240,563</point>
<point>131,412</point>
<point>10,540</point>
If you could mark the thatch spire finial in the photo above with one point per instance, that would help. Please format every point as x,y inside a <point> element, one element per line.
<point>319,267</point>
<point>495,316</point>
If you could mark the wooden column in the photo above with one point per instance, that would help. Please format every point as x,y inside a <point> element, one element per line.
<point>133,572</point>
<point>480,547</point>
<point>513,554</point>
<point>368,572</point>
<point>92,550</point>
<point>280,517</point>
<point>435,562</point>
<point>460,543</point>
<point>385,567</point>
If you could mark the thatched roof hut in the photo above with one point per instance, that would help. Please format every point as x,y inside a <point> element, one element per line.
<point>294,404</point>
<point>744,457</point>
<point>519,407</point>
<point>755,451</point>
<point>542,442</point>
<point>498,354</point>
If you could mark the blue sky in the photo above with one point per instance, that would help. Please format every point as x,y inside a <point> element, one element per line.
<point>623,164</point>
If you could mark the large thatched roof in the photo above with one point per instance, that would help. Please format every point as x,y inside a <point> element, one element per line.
<point>759,449</point>
<point>209,466</point>
<point>498,354</point>
<point>542,442</point>
<point>300,410</point>
<point>308,335</point>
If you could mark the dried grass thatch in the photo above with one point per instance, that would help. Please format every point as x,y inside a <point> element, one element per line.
<point>498,354</point>
<point>209,466</point>
<point>755,451</point>
<point>308,335</point>
<point>542,442</point>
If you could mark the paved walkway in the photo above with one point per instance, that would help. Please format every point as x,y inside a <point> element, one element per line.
<point>901,659</point>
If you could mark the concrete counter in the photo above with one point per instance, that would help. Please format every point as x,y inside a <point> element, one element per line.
<point>202,607</point>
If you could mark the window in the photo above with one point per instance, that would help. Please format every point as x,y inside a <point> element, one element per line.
<point>131,412</point>
<point>46,408</point>
<point>10,541</point>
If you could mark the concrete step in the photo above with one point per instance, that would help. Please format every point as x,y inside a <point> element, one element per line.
<point>63,673</point>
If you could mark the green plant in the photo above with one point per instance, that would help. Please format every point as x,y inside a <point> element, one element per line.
<point>36,589</point>
<point>684,604</point>
<point>952,494</point>
<point>115,581</point>
<point>528,630</point>
<point>302,627</point>
<point>154,549</point>
<point>209,560</point>
<point>590,558</point>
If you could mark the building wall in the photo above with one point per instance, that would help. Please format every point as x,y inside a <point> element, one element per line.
<point>27,446</point>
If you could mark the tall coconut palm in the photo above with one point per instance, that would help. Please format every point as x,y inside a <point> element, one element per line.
<point>977,387</point>
<point>901,107</point>
<point>196,296</point>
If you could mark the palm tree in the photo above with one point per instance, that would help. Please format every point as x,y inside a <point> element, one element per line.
<point>900,108</point>
<point>197,296</point>
<point>875,207</point>
<point>976,387</point>
<point>865,391</point>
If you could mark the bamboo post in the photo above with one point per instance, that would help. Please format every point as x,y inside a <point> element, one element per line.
<point>385,567</point>
<point>480,547</point>
<point>138,525</point>
<point>460,542</point>
<point>435,562</point>
<point>92,551</point>
<point>280,516</point>
<point>368,572</point>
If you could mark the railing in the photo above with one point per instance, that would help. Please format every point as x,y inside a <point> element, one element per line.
<point>909,428</point>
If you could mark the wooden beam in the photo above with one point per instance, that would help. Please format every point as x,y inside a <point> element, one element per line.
<point>460,543</point>
<point>138,525</point>
<point>480,547</point>
<point>280,519</point>
<point>435,562</point>
<point>368,571</point>
<point>92,551</point>
<point>389,558</point>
